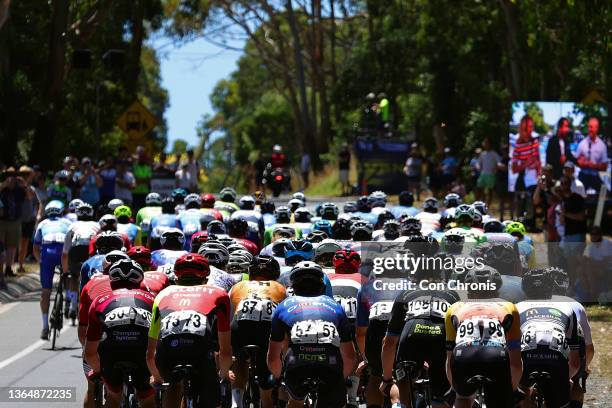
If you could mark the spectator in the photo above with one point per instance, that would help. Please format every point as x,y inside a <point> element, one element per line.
<point>161,168</point>
<point>384,112</point>
<point>176,164</point>
<point>526,162</point>
<point>108,173</point>
<point>542,196</point>
<point>598,254</point>
<point>474,168</point>
<point>183,177</point>
<point>143,174</point>
<point>125,183</point>
<point>344,164</point>
<point>13,192</point>
<point>558,149</point>
<point>59,190</point>
<point>90,182</point>
<point>259,166</point>
<point>487,163</point>
<point>577,186</point>
<point>29,212</point>
<point>414,170</point>
<point>501,184</point>
<point>449,167</point>
<point>124,155</point>
<point>592,157</point>
<point>369,113</point>
<point>305,168</point>
<point>38,183</point>
<point>193,167</point>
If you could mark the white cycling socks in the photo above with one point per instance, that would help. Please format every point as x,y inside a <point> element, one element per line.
<point>352,390</point>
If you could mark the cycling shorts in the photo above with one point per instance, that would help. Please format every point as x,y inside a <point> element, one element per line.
<point>316,362</point>
<point>374,337</point>
<point>556,390</point>
<point>491,362</point>
<point>113,375</point>
<point>185,349</point>
<point>423,340</point>
<point>50,257</point>
<point>247,332</point>
<point>76,256</point>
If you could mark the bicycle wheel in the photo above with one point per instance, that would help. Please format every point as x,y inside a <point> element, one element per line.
<point>56,314</point>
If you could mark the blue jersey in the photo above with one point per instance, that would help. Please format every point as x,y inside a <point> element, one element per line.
<point>369,217</point>
<point>165,256</point>
<point>375,299</point>
<point>284,279</point>
<point>190,222</point>
<point>90,267</point>
<point>161,222</point>
<point>310,320</point>
<point>131,230</point>
<point>400,210</point>
<point>51,232</point>
<point>269,220</point>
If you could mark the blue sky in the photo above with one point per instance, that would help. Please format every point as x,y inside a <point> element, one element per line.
<point>189,73</point>
<point>552,111</point>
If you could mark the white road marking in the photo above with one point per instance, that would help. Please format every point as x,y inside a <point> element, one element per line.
<point>8,306</point>
<point>31,348</point>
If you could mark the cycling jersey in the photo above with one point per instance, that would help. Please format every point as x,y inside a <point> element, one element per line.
<point>211,212</point>
<point>79,234</point>
<point>92,244</point>
<point>60,193</point>
<point>250,216</point>
<point>190,221</point>
<point>50,236</point>
<point>285,280</point>
<point>366,216</point>
<point>144,217</point>
<point>430,222</point>
<point>400,210</point>
<point>345,288</point>
<point>226,209</point>
<point>132,231</point>
<point>470,235</point>
<point>161,223</point>
<point>268,219</point>
<point>89,268</point>
<point>165,256</point>
<point>269,232</point>
<point>154,282</point>
<point>220,278</point>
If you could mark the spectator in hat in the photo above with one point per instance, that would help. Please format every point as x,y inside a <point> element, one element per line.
<point>90,182</point>
<point>576,185</point>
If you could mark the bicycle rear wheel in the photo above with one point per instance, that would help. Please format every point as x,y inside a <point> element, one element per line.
<point>56,314</point>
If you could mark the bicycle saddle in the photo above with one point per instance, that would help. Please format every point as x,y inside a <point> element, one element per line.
<point>479,380</point>
<point>251,349</point>
<point>181,371</point>
<point>539,375</point>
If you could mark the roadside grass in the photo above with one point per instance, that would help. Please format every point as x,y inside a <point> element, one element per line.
<point>600,318</point>
<point>325,183</point>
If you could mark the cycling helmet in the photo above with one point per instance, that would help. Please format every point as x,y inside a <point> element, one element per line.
<point>279,246</point>
<point>342,229</point>
<point>377,199</point>
<point>361,231</point>
<point>55,208</point>
<point>483,275</point>
<point>197,240</point>
<point>140,254</point>
<point>302,214</point>
<point>108,241</point>
<point>363,204</point>
<point>260,196</point>
<point>265,267</point>
<point>325,251</point>
<point>421,245</point>
<point>108,222</point>
<point>516,227</point>
<point>537,284</point>
<point>111,258</point>
<point>503,256</point>
<point>277,148</point>
<point>406,199</point>
<point>493,225</point>
<point>481,207</point>
<point>384,216</point>
<point>238,263</point>
<point>329,211</point>
<point>84,212</point>
<point>298,251</point>
<point>282,215</point>
<point>191,265</point>
<point>452,200</point>
<point>391,229</point>
<point>560,280</point>
<point>300,196</point>
<point>267,207</point>
<point>430,205</point>
<point>346,261</point>
<point>172,238</point>
<point>349,207</point>
<point>235,247</point>
<point>193,201</point>
<point>307,278</point>
<point>244,253</point>
<point>237,227</point>
<point>316,236</point>
<point>216,227</point>
<point>465,210</point>
<point>227,194</point>
<point>325,226</point>
<point>126,271</point>
<point>114,203</point>
<point>477,219</point>
<point>153,200</point>
<point>217,256</point>
<point>168,205</point>
<point>179,194</point>
<point>283,231</point>
<point>123,212</point>
<point>452,242</point>
<point>246,202</point>
<point>74,204</point>
<point>208,200</point>
<point>226,241</point>
<point>506,223</point>
<point>410,226</point>
<point>62,175</point>
<point>294,204</point>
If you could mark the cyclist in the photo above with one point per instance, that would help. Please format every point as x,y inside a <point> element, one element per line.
<point>254,302</point>
<point>114,203</point>
<point>483,209</point>
<point>302,219</point>
<point>429,217</point>
<point>59,190</point>
<point>328,211</point>
<point>154,281</point>
<point>526,249</point>
<point>117,334</point>
<point>324,254</point>
<point>282,217</point>
<point>76,251</point>
<point>107,223</point>
<point>106,242</point>
<point>159,223</point>
<point>47,248</point>
<point>226,204</point>
<point>238,229</point>
<point>410,226</point>
<point>464,216</point>
<point>172,241</point>
<point>550,340</point>
<point>406,205</point>
<point>361,231</point>
<point>316,333</point>
<point>208,206</point>
<point>254,218</point>
<point>416,334</point>
<point>144,216</point>
<point>267,209</point>
<point>325,226</point>
<point>217,256</point>
<point>190,321</point>
<point>72,206</point>
<point>178,195</point>
<point>494,231</point>
<point>342,229</point>
<point>483,337</point>
<point>123,213</point>
<point>377,201</point>
<point>451,202</point>
<point>191,220</point>
<point>296,252</point>
<point>364,210</point>
<point>390,231</point>
<point>294,204</point>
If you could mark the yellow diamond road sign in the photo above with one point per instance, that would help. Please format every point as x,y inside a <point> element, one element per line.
<point>137,120</point>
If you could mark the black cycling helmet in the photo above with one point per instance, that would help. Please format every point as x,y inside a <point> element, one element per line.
<point>316,236</point>
<point>363,205</point>
<point>172,239</point>
<point>193,201</point>
<point>85,212</point>
<point>485,280</point>
<point>108,241</point>
<point>126,273</point>
<point>329,211</point>
<point>430,205</point>
<point>294,204</point>
<point>237,227</point>
<point>267,207</point>
<point>302,214</point>
<point>560,280</point>
<point>246,202</point>
<point>112,257</point>
<point>421,245</point>
<point>481,207</point>
<point>349,207</point>
<point>383,217</point>
<point>391,229</point>
<point>227,194</point>
<point>153,200</point>
<point>537,284</point>
<point>493,225</point>
<point>503,256</point>
<point>279,246</point>
<point>282,215</point>
<point>452,242</point>
<point>168,205</point>
<point>216,227</point>
<point>307,279</point>
<point>361,231</point>
<point>179,194</point>
<point>406,199</point>
<point>411,226</point>
<point>452,200</point>
<point>342,229</point>
<point>264,267</point>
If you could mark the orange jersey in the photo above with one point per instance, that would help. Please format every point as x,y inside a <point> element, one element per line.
<point>256,300</point>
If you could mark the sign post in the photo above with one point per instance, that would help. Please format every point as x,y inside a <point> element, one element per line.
<point>136,122</point>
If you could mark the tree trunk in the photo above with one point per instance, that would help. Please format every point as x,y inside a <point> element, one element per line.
<point>325,128</point>
<point>332,43</point>
<point>8,133</point>
<point>315,84</point>
<point>136,47</point>
<point>513,48</point>
<point>4,11</point>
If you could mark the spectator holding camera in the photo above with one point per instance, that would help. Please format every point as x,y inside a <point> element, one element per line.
<point>90,182</point>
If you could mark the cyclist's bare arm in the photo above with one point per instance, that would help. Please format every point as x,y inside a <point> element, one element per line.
<point>347,350</point>
<point>449,374</point>
<point>516,366</point>
<point>225,353</point>
<point>361,338</point>
<point>91,354</point>
<point>151,348</point>
<point>274,357</point>
<point>82,333</point>
<point>389,346</point>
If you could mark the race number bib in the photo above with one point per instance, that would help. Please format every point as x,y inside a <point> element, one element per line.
<point>426,307</point>
<point>255,309</point>
<point>128,315</point>
<point>481,331</point>
<point>183,322</point>
<point>80,239</point>
<point>315,332</point>
<point>54,237</point>
<point>190,229</point>
<point>381,310</point>
<point>544,334</point>
<point>145,226</point>
<point>349,304</point>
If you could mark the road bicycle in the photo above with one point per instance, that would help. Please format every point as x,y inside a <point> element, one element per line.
<point>56,319</point>
<point>251,397</point>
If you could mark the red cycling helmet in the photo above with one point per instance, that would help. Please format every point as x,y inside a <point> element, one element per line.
<point>197,240</point>
<point>208,200</point>
<point>346,261</point>
<point>141,254</point>
<point>193,265</point>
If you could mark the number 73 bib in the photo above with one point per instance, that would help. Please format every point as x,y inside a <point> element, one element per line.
<point>183,322</point>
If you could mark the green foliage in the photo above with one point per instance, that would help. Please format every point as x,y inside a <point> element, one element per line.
<point>179,146</point>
